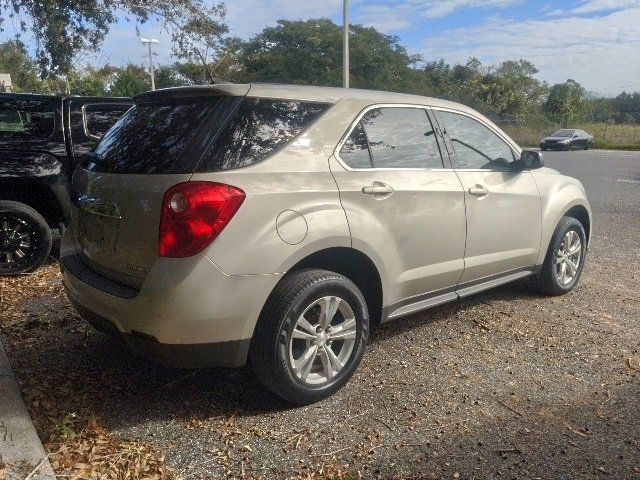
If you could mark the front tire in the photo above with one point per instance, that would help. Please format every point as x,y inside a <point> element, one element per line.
<point>310,337</point>
<point>25,238</point>
<point>569,147</point>
<point>565,259</point>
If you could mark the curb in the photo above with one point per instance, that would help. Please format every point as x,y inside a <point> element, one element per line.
<point>21,451</point>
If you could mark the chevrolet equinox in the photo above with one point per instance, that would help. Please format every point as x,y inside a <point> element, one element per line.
<point>277,224</point>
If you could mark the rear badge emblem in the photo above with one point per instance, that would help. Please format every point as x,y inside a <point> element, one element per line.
<point>137,269</point>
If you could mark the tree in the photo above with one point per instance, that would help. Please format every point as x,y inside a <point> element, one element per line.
<point>566,101</point>
<point>627,107</point>
<point>64,29</point>
<point>511,90</point>
<point>310,52</point>
<point>129,81</point>
<point>15,60</point>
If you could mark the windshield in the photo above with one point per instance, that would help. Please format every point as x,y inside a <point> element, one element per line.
<point>563,133</point>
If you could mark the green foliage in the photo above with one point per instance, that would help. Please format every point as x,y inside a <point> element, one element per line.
<point>65,426</point>
<point>64,29</point>
<point>566,101</point>
<point>129,81</point>
<point>310,52</point>
<point>15,60</point>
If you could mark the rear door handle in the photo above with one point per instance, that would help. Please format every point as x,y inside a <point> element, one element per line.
<point>377,188</point>
<point>479,191</point>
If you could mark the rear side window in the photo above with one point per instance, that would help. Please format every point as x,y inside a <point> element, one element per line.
<point>259,128</point>
<point>26,120</point>
<point>392,137</point>
<point>99,118</point>
<point>165,138</point>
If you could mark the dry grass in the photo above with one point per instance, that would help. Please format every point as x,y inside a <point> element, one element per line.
<point>622,137</point>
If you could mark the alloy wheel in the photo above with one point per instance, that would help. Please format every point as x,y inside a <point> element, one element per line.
<point>568,258</point>
<point>322,340</point>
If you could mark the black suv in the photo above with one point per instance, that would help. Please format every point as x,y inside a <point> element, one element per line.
<point>41,139</point>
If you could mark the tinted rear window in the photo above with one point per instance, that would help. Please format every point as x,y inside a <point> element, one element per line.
<point>152,138</point>
<point>203,134</point>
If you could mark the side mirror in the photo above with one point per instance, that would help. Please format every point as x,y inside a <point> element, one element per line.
<point>529,160</point>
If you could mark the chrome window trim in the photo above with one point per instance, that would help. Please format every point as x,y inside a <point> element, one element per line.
<point>85,124</point>
<point>363,112</point>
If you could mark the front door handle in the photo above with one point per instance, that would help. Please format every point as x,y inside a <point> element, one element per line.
<point>377,188</point>
<point>479,191</point>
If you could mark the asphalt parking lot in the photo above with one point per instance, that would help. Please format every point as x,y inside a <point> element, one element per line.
<point>506,384</point>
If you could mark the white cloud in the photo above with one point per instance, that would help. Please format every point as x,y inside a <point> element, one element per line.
<point>395,15</point>
<point>247,17</point>
<point>602,53</point>
<point>593,6</point>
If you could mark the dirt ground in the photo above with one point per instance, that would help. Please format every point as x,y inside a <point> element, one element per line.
<point>506,384</point>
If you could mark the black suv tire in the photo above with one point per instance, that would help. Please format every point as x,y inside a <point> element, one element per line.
<point>273,338</point>
<point>23,231</point>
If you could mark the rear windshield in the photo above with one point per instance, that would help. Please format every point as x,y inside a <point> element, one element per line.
<point>200,134</point>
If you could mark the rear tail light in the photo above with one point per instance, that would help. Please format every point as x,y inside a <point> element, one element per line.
<point>194,214</point>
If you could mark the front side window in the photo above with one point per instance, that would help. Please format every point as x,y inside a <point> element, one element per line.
<point>392,137</point>
<point>27,120</point>
<point>475,145</point>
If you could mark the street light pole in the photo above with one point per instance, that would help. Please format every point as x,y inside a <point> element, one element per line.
<point>149,41</point>
<point>345,44</point>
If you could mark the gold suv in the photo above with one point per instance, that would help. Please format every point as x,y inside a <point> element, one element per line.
<point>278,224</point>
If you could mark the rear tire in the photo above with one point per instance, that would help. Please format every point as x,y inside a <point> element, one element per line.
<point>554,278</point>
<point>299,353</point>
<point>25,238</point>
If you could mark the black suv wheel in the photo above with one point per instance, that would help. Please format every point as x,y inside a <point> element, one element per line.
<point>25,238</point>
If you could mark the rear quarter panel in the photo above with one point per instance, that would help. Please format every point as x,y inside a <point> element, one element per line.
<point>294,184</point>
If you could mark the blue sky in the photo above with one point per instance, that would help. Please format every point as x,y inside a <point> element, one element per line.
<point>596,42</point>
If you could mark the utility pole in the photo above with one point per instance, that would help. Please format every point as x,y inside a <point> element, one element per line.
<point>149,41</point>
<point>345,44</point>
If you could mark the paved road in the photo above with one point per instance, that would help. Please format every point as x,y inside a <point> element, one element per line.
<point>612,181</point>
<point>506,384</point>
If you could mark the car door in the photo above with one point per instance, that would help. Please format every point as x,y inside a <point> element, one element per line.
<point>502,205</point>
<point>404,209</point>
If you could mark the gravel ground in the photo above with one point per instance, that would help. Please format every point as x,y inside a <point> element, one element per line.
<point>506,384</point>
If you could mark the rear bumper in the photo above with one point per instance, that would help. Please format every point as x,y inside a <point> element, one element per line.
<point>221,354</point>
<point>187,314</point>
